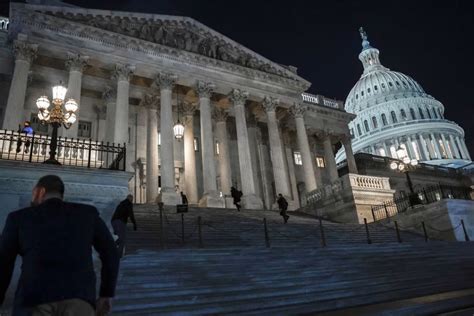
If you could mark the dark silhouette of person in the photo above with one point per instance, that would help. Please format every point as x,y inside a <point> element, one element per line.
<point>55,240</point>
<point>184,198</point>
<point>236,195</point>
<point>283,206</point>
<point>122,213</point>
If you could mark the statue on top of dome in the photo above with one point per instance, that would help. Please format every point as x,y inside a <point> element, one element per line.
<point>363,35</point>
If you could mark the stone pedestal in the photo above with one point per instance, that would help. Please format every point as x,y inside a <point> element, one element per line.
<point>251,202</point>
<point>212,199</point>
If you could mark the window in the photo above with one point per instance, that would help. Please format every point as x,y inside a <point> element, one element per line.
<point>38,128</point>
<point>376,88</point>
<point>422,116</point>
<point>362,93</point>
<point>412,113</point>
<point>404,114</point>
<point>298,160</point>
<point>84,129</point>
<point>320,162</point>
<point>368,90</point>
<point>384,119</point>
<point>390,84</point>
<point>394,117</point>
<point>359,130</point>
<point>383,85</point>
<point>374,122</point>
<point>159,139</point>
<point>366,125</point>
<point>217,149</point>
<point>434,113</point>
<point>196,144</point>
<point>428,112</point>
<point>357,96</point>
<point>440,114</point>
<point>382,152</point>
<point>397,83</point>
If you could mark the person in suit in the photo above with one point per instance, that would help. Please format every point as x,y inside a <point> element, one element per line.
<point>122,213</point>
<point>283,206</point>
<point>55,240</point>
<point>184,198</point>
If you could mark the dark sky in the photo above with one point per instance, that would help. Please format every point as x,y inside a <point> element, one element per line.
<point>431,41</point>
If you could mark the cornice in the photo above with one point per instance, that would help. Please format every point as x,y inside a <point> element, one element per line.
<point>23,15</point>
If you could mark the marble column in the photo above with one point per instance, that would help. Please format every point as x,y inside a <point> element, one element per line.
<point>387,150</point>
<point>110,97</point>
<point>410,149</point>
<point>252,131</point>
<point>166,82</point>
<point>282,183</point>
<point>463,147</point>
<point>76,64</point>
<point>313,144</point>
<point>250,199</point>
<point>25,53</point>
<point>447,148</point>
<point>211,196</point>
<point>430,147</point>
<point>122,73</point>
<point>351,162</point>
<point>220,117</point>
<point>329,157</point>
<point>436,146</point>
<point>454,148</point>
<point>291,169</point>
<point>190,177</point>
<point>152,171</point>
<point>422,146</point>
<point>298,111</point>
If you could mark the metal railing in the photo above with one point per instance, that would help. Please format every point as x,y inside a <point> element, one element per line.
<point>85,153</point>
<point>424,196</point>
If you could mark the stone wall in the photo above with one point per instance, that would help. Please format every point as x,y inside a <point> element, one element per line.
<point>101,188</point>
<point>442,219</point>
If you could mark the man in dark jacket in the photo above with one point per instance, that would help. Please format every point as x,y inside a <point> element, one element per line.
<point>55,239</point>
<point>123,212</point>
<point>283,206</point>
<point>236,195</point>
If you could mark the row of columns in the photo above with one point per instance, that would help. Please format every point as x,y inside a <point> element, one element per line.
<point>429,146</point>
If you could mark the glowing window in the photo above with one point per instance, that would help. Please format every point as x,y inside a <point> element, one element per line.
<point>298,160</point>
<point>320,162</point>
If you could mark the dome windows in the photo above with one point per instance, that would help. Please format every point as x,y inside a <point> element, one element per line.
<point>362,93</point>
<point>428,112</point>
<point>359,130</point>
<point>422,116</point>
<point>368,90</point>
<point>376,88</point>
<point>374,122</point>
<point>390,84</point>
<point>397,83</point>
<point>366,126</point>
<point>412,113</point>
<point>383,85</point>
<point>403,114</point>
<point>384,119</point>
<point>394,117</point>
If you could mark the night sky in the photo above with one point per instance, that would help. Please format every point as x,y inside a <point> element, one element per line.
<point>431,41</point>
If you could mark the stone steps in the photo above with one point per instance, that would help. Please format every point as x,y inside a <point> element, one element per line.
<point>236,274</point>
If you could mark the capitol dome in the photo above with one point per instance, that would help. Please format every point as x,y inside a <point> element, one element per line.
<point>393,111</point>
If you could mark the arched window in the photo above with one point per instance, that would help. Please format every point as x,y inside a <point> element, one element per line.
<point>404,114</point>
<point>422,116</point>
<point>397,83</point>
<point>362,93</point>
<point>428,112</point>
<point>359,130</point>
<point>357,96</point>
<point>440,114</point>
<point>383,85</point>
<point>376,88</point>
<point>384,119</point>
<point>394,117</point>
<point>374,122</point>
<point>412,113</point>
<point>390,84</point>
<point>366,125</point>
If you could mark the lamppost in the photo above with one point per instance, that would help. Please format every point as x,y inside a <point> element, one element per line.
<point>178,128</point>
<point>405,165</point>
<point>56,116</point>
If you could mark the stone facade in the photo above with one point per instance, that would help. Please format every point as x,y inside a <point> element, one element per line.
<point>135,74</point>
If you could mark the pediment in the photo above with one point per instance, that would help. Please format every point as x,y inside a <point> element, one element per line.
<point>180,33</point>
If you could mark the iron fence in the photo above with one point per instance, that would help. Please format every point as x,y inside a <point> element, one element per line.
<point>85,153</point>
<point>426,195</point>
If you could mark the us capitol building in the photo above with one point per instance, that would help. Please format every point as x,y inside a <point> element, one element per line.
<point>394,111</point>
<point>138,78</point>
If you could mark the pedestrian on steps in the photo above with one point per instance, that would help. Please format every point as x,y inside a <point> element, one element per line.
<point>122,213</point>
<point>55,240</point>
<point>184,199</point>
<point>236,195</point>
<point>283,206</point>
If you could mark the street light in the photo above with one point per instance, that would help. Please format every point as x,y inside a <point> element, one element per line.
<point>178,128</point>
<point>56,116</point>
<point>405,164</point>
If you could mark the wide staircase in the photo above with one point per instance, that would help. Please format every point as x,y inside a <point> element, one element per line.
<point>220,261</point>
